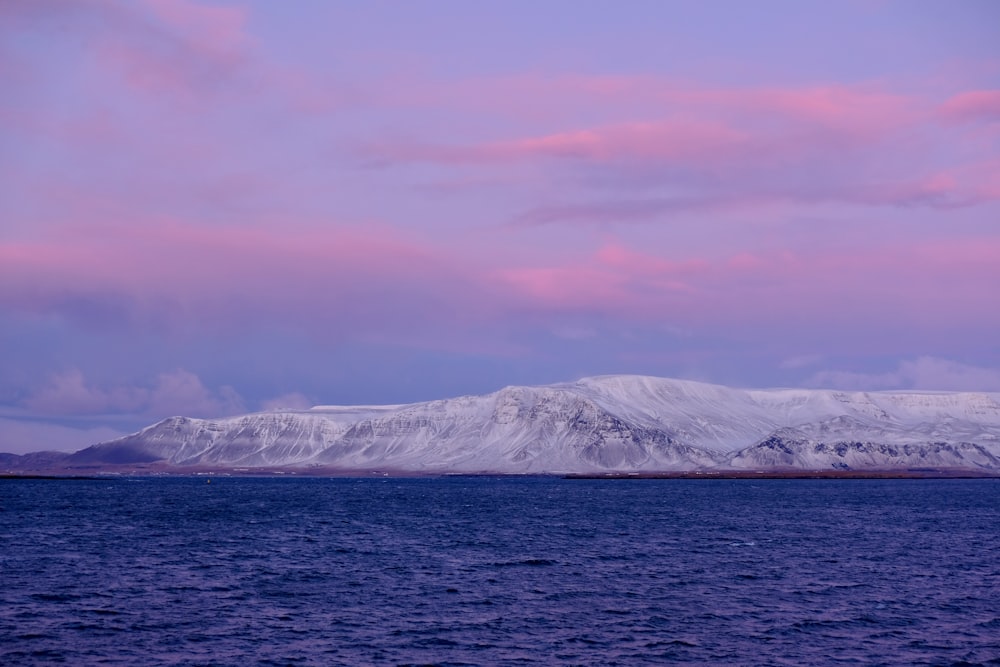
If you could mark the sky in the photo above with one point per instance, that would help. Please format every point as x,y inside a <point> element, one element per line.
<point>211,208</point>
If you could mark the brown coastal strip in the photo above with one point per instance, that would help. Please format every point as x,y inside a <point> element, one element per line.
<point>921,473</point>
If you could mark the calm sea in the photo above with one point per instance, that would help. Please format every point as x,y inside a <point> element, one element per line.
<point>499,571</point>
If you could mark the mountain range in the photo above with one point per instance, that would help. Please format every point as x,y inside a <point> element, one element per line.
<point>617,423</point>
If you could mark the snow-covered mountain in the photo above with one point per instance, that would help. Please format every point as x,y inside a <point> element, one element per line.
<point>608,423</point>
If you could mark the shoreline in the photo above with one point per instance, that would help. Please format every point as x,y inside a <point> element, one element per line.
<point>112,472</point>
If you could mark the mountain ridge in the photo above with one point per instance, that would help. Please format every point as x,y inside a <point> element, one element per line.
<point>610,423</point>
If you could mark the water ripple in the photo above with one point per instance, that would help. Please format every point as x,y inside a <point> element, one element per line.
<point>470,571</point>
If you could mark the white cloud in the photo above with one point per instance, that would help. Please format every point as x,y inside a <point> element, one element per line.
<point>20,436</point>
<point>801,361</point>
<point>574,333</point>
<point>69,393</point>
<point>178,392</point>
<point>292,401</point>
<point>928,373</point>
<point>182,393</point>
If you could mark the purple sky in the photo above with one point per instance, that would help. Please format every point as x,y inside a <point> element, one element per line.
<point>211,208</point>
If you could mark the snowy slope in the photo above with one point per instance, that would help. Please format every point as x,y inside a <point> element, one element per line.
<point>608,423</point>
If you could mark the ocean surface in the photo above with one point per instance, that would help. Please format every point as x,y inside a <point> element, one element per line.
<point>499,571</point>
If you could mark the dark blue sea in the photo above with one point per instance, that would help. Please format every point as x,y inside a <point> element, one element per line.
<point>499,571</point>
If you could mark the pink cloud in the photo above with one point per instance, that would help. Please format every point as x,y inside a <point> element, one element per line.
<point>148,72</point>
<point>860,108</point>
<point>857,108</point>
<point>153,250</point>
<point>641,209</point>
<point>665,140</point>
<point>887,287</point>
<point>567,287</point>
<point>660,140</point>
<point>328,282</point>
<point>188,50</point>
<point>619,257</point>
<point>957,187</point>
<point>175,47</point>
<point>215,31</point>
<point>724,148</point>
<point>855,111</point>
<point>668,121</point>
<point>613,280</point>
<point>973,105</point>
<point>377,283</point>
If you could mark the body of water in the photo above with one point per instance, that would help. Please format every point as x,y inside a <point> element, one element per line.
<point>495,571</point>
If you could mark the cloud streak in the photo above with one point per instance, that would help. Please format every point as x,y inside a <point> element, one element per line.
<point>811,290</point>
<point>175,274</point>
<point>719,148</point>
<point>354,282</point>
<point>973,105</point>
